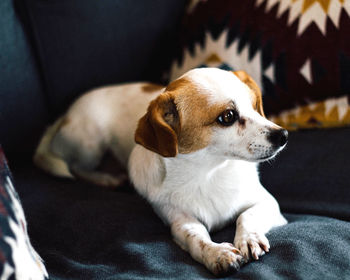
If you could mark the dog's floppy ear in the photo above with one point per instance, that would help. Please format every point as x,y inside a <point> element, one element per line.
<point>257,98</point>
<point>157,129</point>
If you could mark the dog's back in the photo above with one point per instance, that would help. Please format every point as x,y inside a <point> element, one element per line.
<point>100,120</point>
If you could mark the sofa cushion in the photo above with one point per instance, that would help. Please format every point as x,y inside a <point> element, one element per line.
<point>85,232</point>
<point>86,43</point>
<point>297,52</point>
<point>23,111</point>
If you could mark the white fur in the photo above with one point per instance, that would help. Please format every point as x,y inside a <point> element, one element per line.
<point>100,120</point>
<point>195,192</point>
<point>217,184</point>
<point>220,85</point>
<point>212,191</point>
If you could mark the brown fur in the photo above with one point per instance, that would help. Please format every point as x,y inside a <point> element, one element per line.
<point>180,110</point>
<point>193,134</point>
<point>180,120</point>
<point>255,91</point>
<point>150,88</point>
<point>242,123</point>
<point>197,117</point>
<point>154,132</point>
<point>202,244</point>
<point>190,235</point>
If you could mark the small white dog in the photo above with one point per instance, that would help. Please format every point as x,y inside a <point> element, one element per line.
<point>195,161</point>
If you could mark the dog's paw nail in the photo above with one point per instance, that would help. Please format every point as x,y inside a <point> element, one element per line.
<point>236,251</point>
<point>253,245</point>
<point>265,248</point>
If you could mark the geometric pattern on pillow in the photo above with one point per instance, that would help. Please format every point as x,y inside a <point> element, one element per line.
<point>306,12</point>
<point>298,52</point>
<point>18,259</point>
<point>333,112</point>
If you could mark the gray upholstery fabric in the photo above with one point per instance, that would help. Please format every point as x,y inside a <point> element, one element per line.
<point>23,110</point>
<point>312,175</point>
<point>83,232</point>
<point>86,43</point>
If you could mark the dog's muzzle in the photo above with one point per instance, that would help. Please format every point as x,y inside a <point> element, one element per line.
<point>278,137</point>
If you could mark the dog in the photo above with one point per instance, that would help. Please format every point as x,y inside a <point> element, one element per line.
<point>198,144</point>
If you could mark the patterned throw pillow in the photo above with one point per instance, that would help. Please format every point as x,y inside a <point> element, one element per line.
<point>18,259</point>
<point>298,51</point>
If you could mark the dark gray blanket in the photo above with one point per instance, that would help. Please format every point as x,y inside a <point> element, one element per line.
<point>85,232</point>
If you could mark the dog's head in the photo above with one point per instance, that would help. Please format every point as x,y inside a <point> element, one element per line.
<point>214,109</point>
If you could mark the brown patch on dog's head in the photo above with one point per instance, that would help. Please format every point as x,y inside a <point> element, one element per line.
<point>197,115</point>
<point>255,91</point>
<point>150,87</point>
<point>179,120</point>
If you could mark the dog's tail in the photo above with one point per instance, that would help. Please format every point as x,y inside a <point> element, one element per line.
<point>46,159</point>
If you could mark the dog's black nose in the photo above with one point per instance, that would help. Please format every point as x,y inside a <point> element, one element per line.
<point>278,137</point>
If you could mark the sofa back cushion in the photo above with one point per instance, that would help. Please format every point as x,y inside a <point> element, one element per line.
<point>84,44</point>
<point>297,51</point>
<point>23,111</point>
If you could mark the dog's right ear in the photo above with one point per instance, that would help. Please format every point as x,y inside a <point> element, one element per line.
<point>157,129</point>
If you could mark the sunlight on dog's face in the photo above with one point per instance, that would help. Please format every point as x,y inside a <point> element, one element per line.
<point>241,132</point>
<point>249,137</point>
<point>214,109</point>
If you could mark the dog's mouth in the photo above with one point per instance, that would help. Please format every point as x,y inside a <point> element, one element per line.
<point>265,158</point>
<point>259,152</point>
<point>271,155</point>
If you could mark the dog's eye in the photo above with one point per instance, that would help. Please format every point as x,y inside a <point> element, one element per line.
<point>228,117</point>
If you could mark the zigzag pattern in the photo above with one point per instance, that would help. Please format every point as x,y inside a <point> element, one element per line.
<point>297,51</point>
<point>214,53</point>
<point>308,11</point>
<point>333,112</point>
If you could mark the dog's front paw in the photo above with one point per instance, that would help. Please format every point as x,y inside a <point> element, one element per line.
<point>252,245</point>
<point>223,258</point>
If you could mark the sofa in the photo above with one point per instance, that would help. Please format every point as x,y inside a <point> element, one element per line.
<point>50,52</point>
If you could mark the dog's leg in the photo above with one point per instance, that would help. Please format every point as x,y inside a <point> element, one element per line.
<point>253,224</point>
<point>193,237</point>
<point>83,148</point>
<point>100,178</point>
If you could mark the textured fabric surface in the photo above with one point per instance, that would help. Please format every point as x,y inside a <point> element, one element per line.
<point>85,232</point>
<point>297,50</point>
<point>18,259</point>
<point>312,174</point>
<point>23,111</point>
<point>86,43</point>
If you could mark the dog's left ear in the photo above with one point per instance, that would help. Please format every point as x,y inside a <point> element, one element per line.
<point>257,98</point>
<point>157,129</point>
